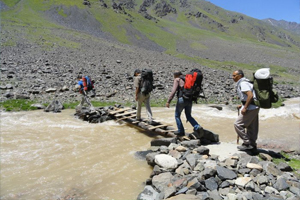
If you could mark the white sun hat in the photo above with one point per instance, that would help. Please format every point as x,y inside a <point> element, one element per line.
<point>262,73</point>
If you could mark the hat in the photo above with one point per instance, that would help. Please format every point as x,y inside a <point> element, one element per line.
<point>137,71</point>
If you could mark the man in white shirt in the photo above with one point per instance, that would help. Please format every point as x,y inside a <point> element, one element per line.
<point>247,123</point>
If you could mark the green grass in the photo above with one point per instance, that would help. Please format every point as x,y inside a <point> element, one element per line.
<point>10,3</point>
<point>294,163</point>
<point>117,29</point>
<point>17,105</point>
<point>72,105</point>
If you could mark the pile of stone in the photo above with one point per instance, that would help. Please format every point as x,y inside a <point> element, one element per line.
<point>94,115</point>
<point>185,170</point>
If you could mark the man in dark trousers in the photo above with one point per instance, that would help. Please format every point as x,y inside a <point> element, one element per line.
<point>183,104</point>
<point>246,125</point>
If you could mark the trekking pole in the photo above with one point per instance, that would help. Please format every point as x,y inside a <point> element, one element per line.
<point>238,137</point>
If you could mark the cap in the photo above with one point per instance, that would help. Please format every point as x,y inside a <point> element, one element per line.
<point>177,73</point>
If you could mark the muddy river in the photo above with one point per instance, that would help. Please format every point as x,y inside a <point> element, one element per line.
<point>56,156</point>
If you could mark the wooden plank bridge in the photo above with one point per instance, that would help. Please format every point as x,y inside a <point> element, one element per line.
<point>129,115</point>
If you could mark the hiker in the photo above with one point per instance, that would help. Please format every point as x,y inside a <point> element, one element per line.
<point>141,97</point>
<point>181,104</point>
<point>84,85</point>
<point>246,125</point>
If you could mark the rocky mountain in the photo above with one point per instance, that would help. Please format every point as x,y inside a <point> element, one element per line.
<point>289,26</point>
<point>46,44</point>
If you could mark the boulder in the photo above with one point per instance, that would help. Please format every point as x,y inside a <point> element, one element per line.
<point>166,161</point>
<point>55,106</point>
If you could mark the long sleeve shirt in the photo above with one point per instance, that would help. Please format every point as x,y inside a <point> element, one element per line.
<point>178,82</point>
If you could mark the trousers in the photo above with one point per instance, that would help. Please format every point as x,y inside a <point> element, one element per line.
<point>187,106</point>
<point>246,126</point>
<point>146,100</point>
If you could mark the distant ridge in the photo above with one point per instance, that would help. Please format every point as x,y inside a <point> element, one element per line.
<point>289,26</point>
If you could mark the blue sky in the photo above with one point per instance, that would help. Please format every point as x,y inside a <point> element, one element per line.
<point>288,10</point>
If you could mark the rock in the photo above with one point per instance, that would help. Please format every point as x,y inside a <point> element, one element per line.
<point>191,144</point>
<point>265,156</point>
<point>51,90</point>
<point>254,166</point>
<point>175,154</point>
<point>225,174</point>
<point>150,158</point>
<point>162,181</point>
<point>185,197</point>
<point>211,184</point>
<point>295,190</point>
<point>271,190</point>
<point>262,180</point>
<point>21,96</point>
<point>281,184</point>
<point>9,86</point>
<point>271,169</point>
<point>203,151</point>
<point>242,181</point>
<point>38,106</point>
<point>166,161</point>
<point>55,106</point>
<point>191,159</point>
<point>163,141</point>
<point>183,169</point>
<point>169,191</point>
<point>214,195</point>
<point>284,167</point>
<point>148,194</point>
<point>181,149</point>
<point>231,162</point>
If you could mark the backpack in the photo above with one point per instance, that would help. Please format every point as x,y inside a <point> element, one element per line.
<point>263,88</point>
<point>192,85</point>
<point>87,83</point>
<point>265,95</point>
<point>146,84</point>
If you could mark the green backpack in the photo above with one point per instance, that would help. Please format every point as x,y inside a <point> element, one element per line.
<point>265,95</point>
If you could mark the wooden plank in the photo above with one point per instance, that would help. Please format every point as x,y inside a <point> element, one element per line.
<point>120,110</point>
<point>173,130</point>
<point>126,117</point>
<point>167,131</point>
<point>136,122</point>
<point>125,113</point>
<point>158,126</point>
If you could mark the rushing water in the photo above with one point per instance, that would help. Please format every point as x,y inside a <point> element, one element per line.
<point>54,155</point>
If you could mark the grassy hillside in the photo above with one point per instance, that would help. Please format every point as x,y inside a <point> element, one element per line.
<point>197,31</point>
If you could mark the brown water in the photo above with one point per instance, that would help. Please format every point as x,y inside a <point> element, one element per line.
<point>53,155</point>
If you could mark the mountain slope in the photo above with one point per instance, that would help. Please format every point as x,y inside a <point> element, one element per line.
<point>188,29</point>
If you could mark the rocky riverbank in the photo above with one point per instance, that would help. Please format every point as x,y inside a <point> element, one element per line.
<point>185,170</point>
<point>195,169</point>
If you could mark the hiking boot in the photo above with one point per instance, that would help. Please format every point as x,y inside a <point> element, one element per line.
<point>198,133</point>
<point>254,151</point>
<point>151,122</point>
<point>245,147</point>
<point>177,133</point>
